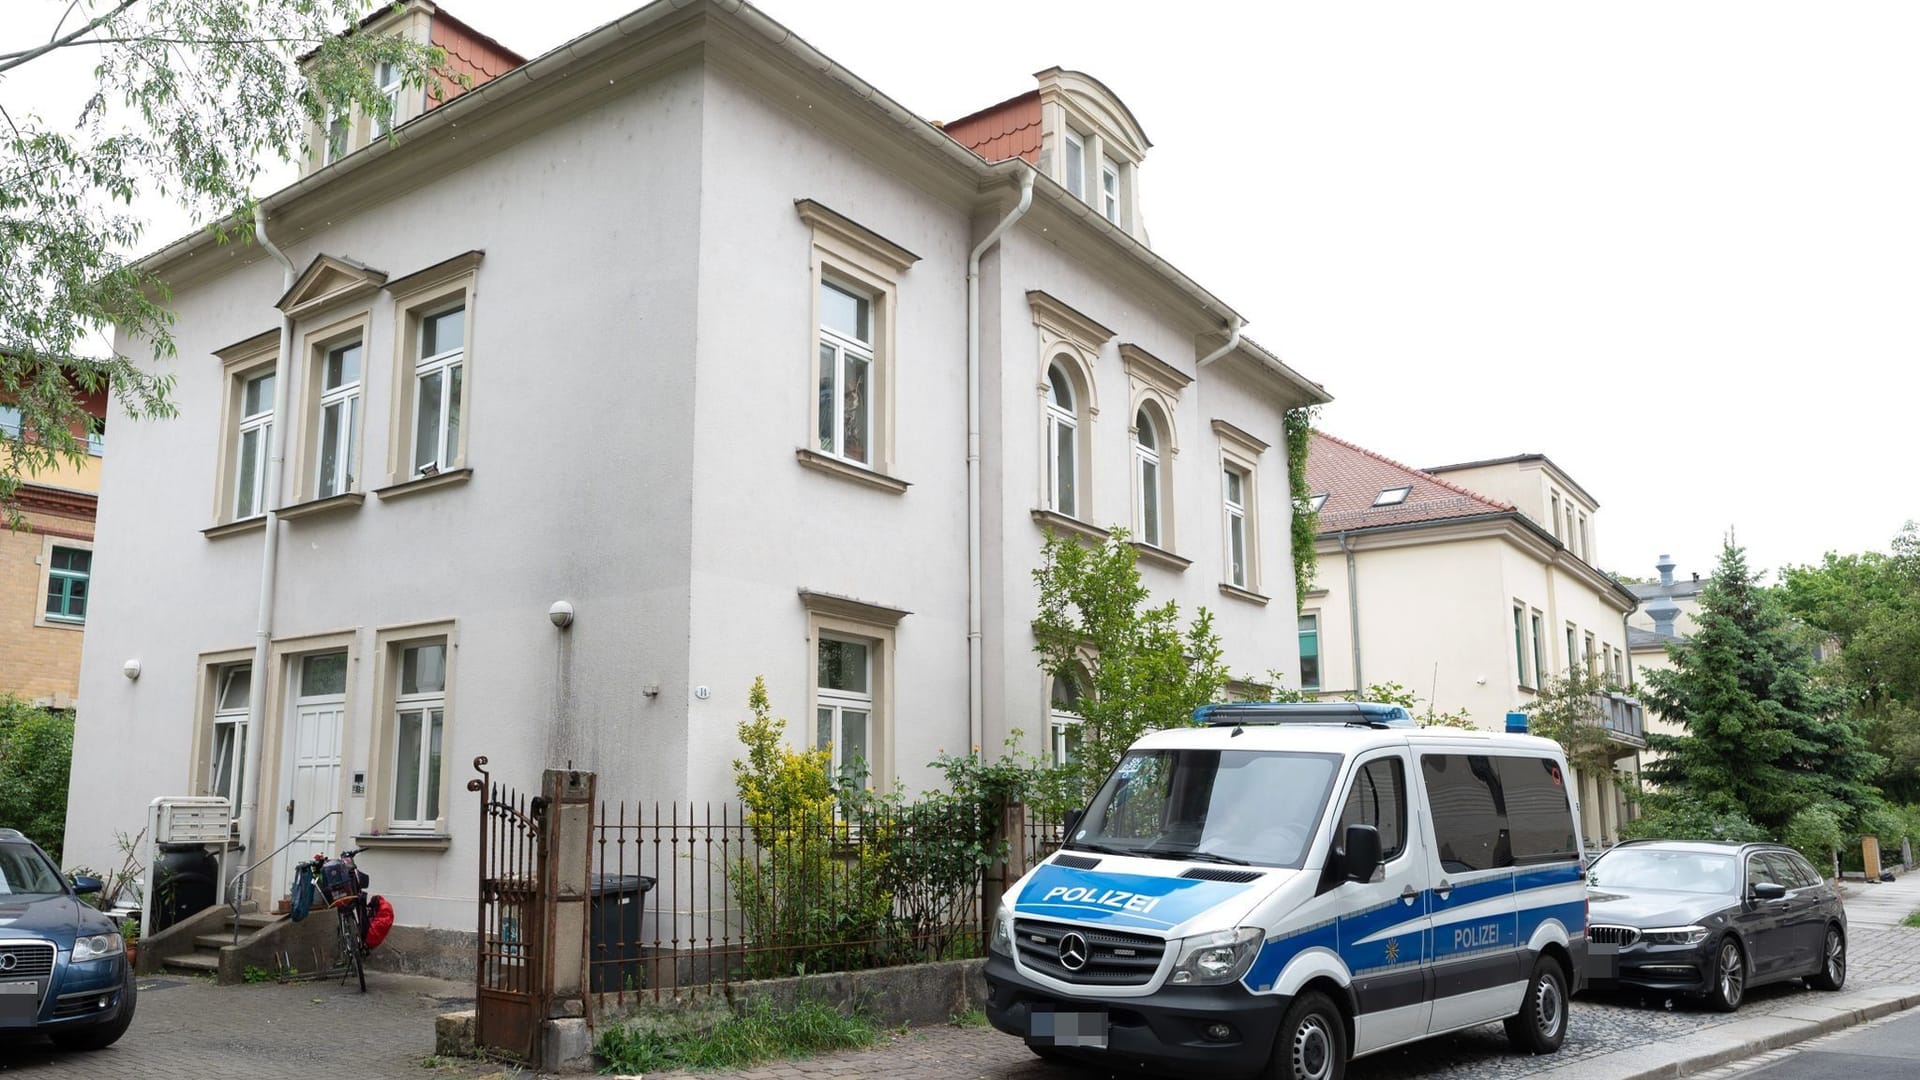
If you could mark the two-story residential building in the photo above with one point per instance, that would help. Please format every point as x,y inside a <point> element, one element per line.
<point>1470,585</point>
<point>676,357</point>
<point>46,565</point>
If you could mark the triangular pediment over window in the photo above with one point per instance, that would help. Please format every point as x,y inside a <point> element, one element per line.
<point>329,280</point>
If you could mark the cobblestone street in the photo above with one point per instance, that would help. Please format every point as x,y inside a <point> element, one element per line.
<point>188,1028</point>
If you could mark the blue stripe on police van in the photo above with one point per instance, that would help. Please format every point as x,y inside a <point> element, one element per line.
<point>1563,874</point>
<point>1572,915</point>
<point>1132,900</point>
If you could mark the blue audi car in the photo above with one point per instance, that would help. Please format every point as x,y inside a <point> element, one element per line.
<point>63,965</point>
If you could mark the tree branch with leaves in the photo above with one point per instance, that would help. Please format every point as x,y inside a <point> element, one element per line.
<point>193,100</point>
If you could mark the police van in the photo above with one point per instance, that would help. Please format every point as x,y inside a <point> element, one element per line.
<point>1282,888</point>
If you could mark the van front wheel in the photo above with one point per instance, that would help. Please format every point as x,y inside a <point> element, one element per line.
<point>1312,1043</point>
<point>1541,1024</point>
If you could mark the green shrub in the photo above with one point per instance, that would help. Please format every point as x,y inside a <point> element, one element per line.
<point>36,758</point>
<point>1671,821</point>
<point>759,1034</point>
<point>1816,833</point>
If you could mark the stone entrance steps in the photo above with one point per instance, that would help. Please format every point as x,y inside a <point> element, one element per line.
<point>205,957</point>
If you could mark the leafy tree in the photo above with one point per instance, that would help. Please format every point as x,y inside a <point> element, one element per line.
<point>1766,735</point>
<point>36,755</point>
<point>193,100</point>
<point>1143,670</point>
<point>1568,711</point>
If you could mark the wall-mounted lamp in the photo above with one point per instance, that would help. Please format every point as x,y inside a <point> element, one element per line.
<point>131,669</point>
<point>561,613</point>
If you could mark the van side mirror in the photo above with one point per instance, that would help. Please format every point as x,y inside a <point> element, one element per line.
<point>1067,823</point>
<point>1769,890</point>
<point>83,884</point>
<point>1361,855</point>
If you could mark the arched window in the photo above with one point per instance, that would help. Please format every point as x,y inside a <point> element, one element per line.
<point>1064,714</point>
<point>1063,437</point>
<point>1147,476</point>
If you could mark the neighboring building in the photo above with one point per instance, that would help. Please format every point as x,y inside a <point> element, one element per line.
<point>473,59</point>
<point>1469,596</point>
<point>596,350</point>
<point>46,568</point>
<point>1665,618</point>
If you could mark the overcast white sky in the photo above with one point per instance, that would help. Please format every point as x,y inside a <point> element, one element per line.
<point>1673,246</point>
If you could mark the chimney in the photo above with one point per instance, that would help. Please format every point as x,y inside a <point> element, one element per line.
<point>1665,566</point>
<point>1696,577</point>
<point>1663,611</point>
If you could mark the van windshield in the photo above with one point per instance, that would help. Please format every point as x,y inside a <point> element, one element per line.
<point>1232,806</point>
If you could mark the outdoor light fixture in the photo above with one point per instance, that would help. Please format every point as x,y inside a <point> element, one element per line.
<point>561,613</point>
<point>131,669</point>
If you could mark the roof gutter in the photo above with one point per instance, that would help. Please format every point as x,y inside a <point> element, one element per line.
<point>1233,342</point>
<point>269,556</point>
<point>976,660</point>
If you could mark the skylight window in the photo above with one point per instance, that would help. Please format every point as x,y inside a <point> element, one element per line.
<point>1393,496</point>
<point>1312,504</point>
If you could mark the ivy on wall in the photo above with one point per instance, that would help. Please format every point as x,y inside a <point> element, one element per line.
<point>1306,519</point>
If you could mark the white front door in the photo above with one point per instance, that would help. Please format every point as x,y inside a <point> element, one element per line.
<point>313,762</point>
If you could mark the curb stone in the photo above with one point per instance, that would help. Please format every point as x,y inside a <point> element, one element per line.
<point>1743,1039</point>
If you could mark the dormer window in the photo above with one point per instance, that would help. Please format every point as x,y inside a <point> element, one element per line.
<point>1110,189</point>
<point>1392,496</point>
<point>1076,163</point>
<point>388,75</point>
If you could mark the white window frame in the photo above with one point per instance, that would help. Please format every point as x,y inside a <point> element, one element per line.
<point>1235,525</point>
<point>1520,645</point>
<point>427,789</point>
<point>838,702</point>
<point>1393,496</point>
<point>1063,723</point>
<point>259,422</point>
<point>338,408</point>
<point>436,290</point>
<point>847,351</point>
<point>390,87</point>
<point>1149,478</point>
<point>1537,620</point>
<point>855,259</point>
<point>1063,421</point>
<point>448,367</point>
<point>1110,189</point>
<point>16,425</point>
<point>1074,160</point>
<point>229,722</point>
<point>330,149</point>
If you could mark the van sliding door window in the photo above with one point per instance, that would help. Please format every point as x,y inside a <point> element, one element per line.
<point>1469,816</point>
<point>1539,818</point>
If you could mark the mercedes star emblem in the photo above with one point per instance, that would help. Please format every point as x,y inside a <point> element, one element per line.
<point>9,960</point>
<point>1074,952</point>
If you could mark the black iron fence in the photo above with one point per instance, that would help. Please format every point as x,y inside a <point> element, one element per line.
<point>693,895</point>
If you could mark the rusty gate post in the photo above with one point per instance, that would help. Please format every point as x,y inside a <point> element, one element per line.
<point>569,799</point>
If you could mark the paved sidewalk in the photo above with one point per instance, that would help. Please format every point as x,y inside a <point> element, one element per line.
<point>1886,1049</point>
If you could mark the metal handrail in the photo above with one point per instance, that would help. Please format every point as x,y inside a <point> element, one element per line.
<point>233,885</point>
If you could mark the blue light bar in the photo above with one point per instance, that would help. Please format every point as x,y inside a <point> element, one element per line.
<point>1236,713</point>
<point>1516,723</point>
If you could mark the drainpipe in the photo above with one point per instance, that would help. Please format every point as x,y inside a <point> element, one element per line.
<point>976,661</point>
<point>1353,612</point>
<point>1233,342</point>
<point>270,546</point>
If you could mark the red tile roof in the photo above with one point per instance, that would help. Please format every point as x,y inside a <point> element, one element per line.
<point>1352,477</point>
<point>1008,130</point>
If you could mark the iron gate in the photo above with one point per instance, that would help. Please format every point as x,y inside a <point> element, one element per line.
<point>514,981</point>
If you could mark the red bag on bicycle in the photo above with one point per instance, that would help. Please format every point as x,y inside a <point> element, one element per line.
<point>379,921</point>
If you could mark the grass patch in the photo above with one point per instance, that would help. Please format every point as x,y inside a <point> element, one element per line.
<point>972,1018</point>
<point>761,1034</point>
<point>1911,920</point>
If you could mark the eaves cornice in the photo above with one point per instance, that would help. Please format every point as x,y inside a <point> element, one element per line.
<point>1509,526</point>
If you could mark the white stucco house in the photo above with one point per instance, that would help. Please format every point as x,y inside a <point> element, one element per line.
<point>1471,585</point>
<point>668,335</point>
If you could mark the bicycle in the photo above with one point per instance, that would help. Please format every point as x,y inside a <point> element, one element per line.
<point>343,886</point>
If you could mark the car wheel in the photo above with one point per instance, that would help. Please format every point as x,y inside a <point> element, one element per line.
<point>1729,976</point>
<point>100,1036</point>
<point>1833,969</point>
<point>1312,1043</point>
<point>1541,1024</point>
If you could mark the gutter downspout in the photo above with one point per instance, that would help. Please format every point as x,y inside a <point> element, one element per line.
<point>1353,612</point>
<point>1233,342</point>
<point>976,661</point>
<point>269,551</point>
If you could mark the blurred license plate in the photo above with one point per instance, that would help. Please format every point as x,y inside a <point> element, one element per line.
<point>19,1001</point>
<point>1603,961</point>
<point>1068,1029</point>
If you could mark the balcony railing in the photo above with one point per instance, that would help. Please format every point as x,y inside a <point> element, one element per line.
<point>1623,718</point>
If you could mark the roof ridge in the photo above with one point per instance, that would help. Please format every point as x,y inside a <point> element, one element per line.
<point>1421,473</point>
